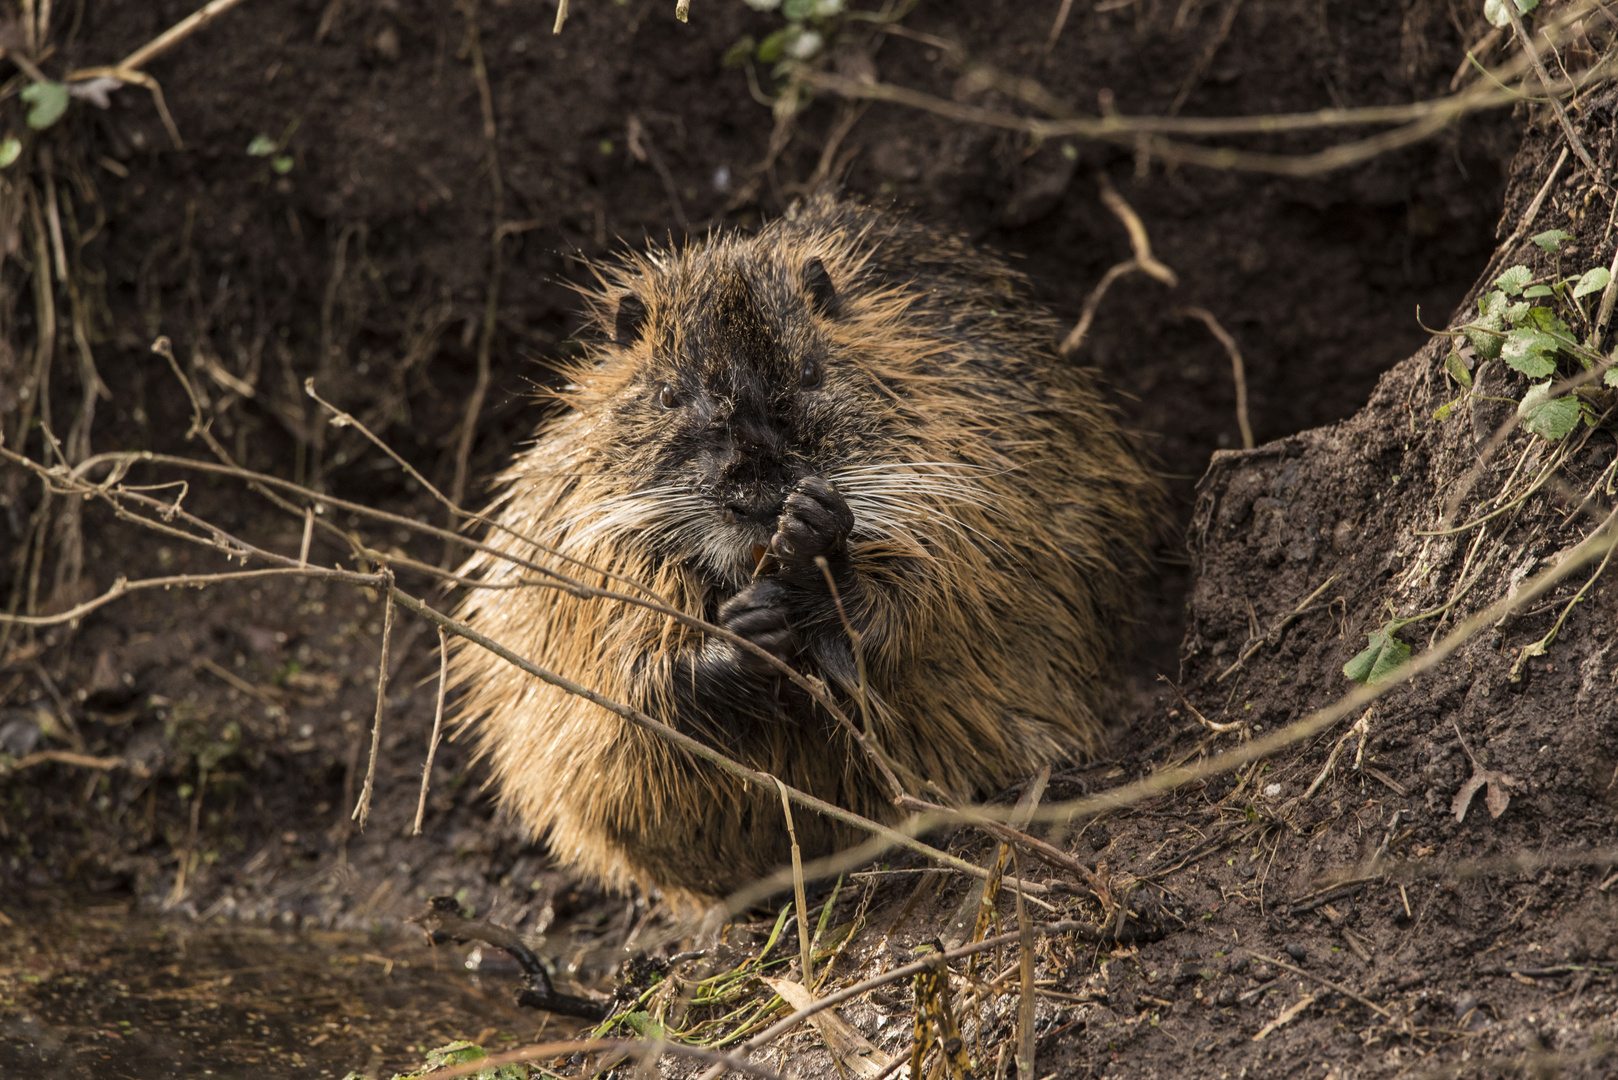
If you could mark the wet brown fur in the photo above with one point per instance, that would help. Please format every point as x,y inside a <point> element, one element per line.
<point>995,549</point>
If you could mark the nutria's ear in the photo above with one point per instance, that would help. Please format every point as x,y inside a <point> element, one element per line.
<point>822,293</point>
<point>631,317</point>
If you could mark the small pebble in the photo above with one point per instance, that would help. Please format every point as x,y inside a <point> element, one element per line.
<point>1298,953</point>
<point>1263,972</point>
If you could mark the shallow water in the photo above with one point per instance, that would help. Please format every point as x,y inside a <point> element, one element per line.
<point>109,994</point>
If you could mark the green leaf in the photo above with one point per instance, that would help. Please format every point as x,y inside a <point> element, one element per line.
<point>1551,239</point>
<point>1442,412</point>
<point>772,47</point>
<point>740,52</point>
<point>642,1024</point>
<point>47,101</point>
<point>1593,281</point>
<point>1382,657</point>
<point>1456,366</point>
<point>1534,292</point>
<point>1611,377</point>
<point>456,1053</point>
<point>281,164</point>
<point>1545,319</point>
<point>261,146</point>
<point>1549,418</point>
<point>1495,11</point>
<point>1531,352</point>
<point>1533,365</point>
<point>10,150</point>
<point>1514,280</point>
<point>1487,345</point>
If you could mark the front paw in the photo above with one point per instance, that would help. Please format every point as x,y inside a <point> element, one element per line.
<point>815,521</point>
<point>758,613</point>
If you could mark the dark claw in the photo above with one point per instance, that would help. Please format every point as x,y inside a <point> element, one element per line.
<point>758,614</point>
<point>815,521</point>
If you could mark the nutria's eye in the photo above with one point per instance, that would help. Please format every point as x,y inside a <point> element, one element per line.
<point>810,375</point>
<point>667,396</point>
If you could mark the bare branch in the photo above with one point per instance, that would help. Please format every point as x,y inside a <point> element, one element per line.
<point>1545,80</point>
<point>1238,368</point>
<point>438,726</point>
<point>362,810</point>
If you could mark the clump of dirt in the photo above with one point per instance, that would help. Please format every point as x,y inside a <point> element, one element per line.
<point>1466,819</point>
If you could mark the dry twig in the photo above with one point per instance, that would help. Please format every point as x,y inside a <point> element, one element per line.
<point>480,387</point>
<point>1143,260</point>
<point>82,761</point>
<point>1503,251</point>
<point>1417,121</point>
<point>1296,613</point>
<point>806,952</point>
<point>362,809</point>
<point>1336,988</point>
<point>438,726</point>
<point>1237,367</point>
<point>1550,85</point>
<point>1056,26</point>
<point>169,38</point>
<point>1196,713</point>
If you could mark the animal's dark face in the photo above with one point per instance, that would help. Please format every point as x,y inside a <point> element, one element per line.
<point>736,393</point>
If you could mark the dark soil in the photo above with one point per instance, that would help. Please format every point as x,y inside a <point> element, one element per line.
<point>1497,966</point>
<point>367,265</point>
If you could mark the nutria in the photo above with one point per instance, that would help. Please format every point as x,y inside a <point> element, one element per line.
<point>845,383</point>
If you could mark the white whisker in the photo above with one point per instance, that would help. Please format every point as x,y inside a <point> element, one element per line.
<point>906,501</point>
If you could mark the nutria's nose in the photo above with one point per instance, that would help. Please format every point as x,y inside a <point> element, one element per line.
<point>762,510</point>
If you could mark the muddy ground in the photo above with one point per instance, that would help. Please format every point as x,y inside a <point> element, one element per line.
<point>358,251</point>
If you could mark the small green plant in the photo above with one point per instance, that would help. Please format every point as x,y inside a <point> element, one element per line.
<point>47,101</point>
<point>1529,325</point>
<point>462,1052</point>
<point>1384,653</point>
<point>1495,11</point>
<point>809,25</point>
<point>266,147</point>
<point>1382,657</point>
